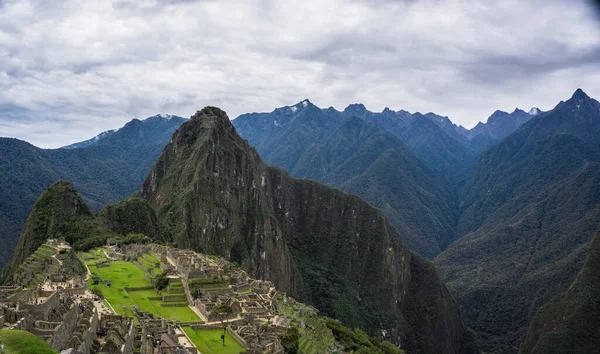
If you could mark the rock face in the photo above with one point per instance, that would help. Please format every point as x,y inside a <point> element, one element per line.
<point>570,322</point>
<point>326,248</point>
<point>53,209</point>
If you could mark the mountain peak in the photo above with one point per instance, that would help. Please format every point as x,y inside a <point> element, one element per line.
<point>161,116</point>
<point>57,204</point>
<point>534,111</point>
<point>356,107</point>
<point>579,94</point>
<point>302,104</point>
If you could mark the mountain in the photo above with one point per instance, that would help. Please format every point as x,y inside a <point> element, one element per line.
<point>361,159</point>
<point>527,211</point>
<point>432,144</point>
<point>54,208</point>
<point>282,135</point>
<point>570,321</point>
<point>327,248</point>
<point>60,212</point>
<point>353,151</point>
<point>498,126</point>
<point>91,141</point>
<point>107,170</point>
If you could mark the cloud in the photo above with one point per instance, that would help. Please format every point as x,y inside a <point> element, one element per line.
<point>71,69</point>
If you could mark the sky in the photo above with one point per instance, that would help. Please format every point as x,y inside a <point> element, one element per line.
<point>71,69</point>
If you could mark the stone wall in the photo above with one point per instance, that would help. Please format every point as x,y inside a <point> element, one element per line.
<point>63,333</point>
<point>43,311</point>
<point>237,337</point>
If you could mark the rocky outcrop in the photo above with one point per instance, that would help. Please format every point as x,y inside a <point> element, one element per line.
<point>326,248</point>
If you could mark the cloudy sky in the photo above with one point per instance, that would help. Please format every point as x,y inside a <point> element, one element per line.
<point>71,70</point>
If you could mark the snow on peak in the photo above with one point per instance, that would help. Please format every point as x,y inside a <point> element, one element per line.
<point>534,111</point>
<point>165,116</point>
<point>294,108</point>
<point>305,103</point>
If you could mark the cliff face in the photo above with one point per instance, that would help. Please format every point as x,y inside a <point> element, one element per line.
<point>333,250</point>
<point>53,209</point>
<point>570,322</point>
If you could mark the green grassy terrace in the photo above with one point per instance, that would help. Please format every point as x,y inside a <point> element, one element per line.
<point>208,341</point>
<point>123,274</point>
<point>23,342</point>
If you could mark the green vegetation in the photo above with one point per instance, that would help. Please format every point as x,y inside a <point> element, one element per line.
<point>133,216</point>
<point>337,252</point>
<point>291,340</point>
<point>529,209</point>
<point>53,210</point>
<point>106,172</point>
<point>208,341</point>
<point>361,158</point>
<point>123,274</point>
<point>160,282</point>
<point>570,322</point>
<point>358,341</point>
<point>23,342</point>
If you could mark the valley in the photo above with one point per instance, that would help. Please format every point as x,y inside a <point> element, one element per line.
<point>506,225</point>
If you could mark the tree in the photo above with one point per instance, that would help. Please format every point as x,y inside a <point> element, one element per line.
<point>222,310</point>
<point>161,281</point>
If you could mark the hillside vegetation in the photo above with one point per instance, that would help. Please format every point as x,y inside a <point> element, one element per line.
<point>569,323</point>
<point>325,248</point>
<point>105,171</point>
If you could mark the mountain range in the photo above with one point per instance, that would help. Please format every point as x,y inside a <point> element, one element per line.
<point>506,210</point>
<point>105,169</point>
<point>516,199</point>
<point>210,191</point>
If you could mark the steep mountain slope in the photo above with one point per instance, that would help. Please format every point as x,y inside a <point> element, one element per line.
<point>333,250</point>
<point>106,171</point>
<point>60,212</point>
<point>570,322</point>
<point>498,126</point>
<point>439,150</point>
<point>353,154</point>
<point>53,209</point>
<point>364,160</point>
<point>284,134</point>
<point>528,210</point>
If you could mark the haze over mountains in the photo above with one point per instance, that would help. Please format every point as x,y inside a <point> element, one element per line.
<point>506,209</point>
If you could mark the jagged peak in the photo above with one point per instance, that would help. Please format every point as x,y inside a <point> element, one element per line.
<point>161,116</point>
<point>356,107</point>
<point>579,95</point>
<point>534,111</point>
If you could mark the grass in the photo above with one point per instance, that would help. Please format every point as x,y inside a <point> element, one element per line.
<point>23,342</point>
<point>208,341</point>
<point>124,274</point>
